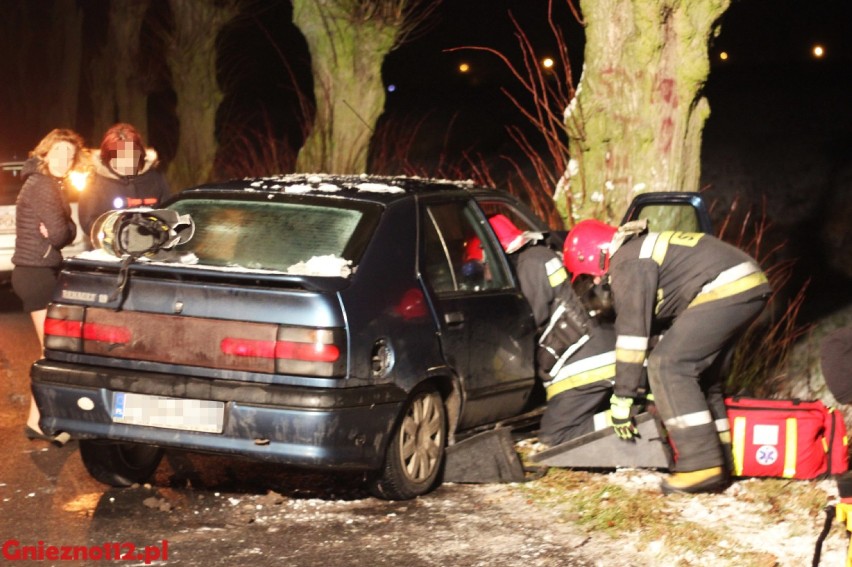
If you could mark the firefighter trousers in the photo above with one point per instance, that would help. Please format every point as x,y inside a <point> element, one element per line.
<point>572,413</point>
<point>690,401</point>
<point>581,389</point>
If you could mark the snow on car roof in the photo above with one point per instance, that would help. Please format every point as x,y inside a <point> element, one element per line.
<point>375,186</point>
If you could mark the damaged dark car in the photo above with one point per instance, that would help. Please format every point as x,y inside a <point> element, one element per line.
<point>317,321</point>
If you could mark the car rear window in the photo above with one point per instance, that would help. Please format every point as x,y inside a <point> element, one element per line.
<point>277,235</point>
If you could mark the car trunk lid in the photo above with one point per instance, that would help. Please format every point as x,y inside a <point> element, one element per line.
<point>269,324</point>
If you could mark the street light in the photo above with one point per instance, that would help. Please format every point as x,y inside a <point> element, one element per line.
<point>818,51</point>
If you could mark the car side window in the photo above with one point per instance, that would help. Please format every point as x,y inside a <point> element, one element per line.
<point>458,252</point>
<point>683,218</point>
<point>491,208</point>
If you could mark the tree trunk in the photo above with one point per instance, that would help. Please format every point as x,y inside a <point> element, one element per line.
<point>131,90</point>
<point>120,93</point>
<point>346,54</point>
<point>102,95</point>
<point>192,62</point>
<point>636,121</point>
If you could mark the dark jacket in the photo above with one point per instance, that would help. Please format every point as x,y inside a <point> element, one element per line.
<point>541,276</point>
<point>108,191</point>
<point>41,201</point>
<point>657,276</point>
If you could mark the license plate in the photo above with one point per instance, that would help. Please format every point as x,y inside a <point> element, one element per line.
<point>170,413</point>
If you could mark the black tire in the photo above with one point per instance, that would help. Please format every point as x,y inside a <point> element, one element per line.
<point>415,454</point>
<point>120,464</point>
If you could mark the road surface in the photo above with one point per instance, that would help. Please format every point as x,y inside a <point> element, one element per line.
<point>206,510</point>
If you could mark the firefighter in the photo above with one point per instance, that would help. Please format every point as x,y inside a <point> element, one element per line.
<point>704,291</point>
<point>575,357</point>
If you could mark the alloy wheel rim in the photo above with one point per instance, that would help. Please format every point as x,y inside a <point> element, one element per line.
<point>422,438</point>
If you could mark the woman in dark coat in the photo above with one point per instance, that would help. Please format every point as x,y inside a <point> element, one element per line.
<point>43,226</point>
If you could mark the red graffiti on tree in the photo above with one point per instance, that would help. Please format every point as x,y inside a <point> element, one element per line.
<point>665,87</point>
<point>665,95</point>
<point>616,81</point>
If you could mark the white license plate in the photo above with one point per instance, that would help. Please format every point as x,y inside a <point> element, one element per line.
<point>170,413</point>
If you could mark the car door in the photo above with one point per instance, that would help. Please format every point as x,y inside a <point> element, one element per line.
<point>486,326</point>
<point>671,210</point>
<point>10,185</point>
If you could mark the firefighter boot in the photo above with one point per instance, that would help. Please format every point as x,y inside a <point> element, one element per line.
<point>704,480</point>
<point>727,452</point>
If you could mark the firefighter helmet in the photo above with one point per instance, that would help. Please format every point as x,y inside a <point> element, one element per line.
<point>586,249</point>
<point>473,249</point>
<point>141,231</point>
<point>511,237</point>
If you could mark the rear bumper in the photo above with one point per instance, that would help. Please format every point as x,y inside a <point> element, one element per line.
<point>343,428</point>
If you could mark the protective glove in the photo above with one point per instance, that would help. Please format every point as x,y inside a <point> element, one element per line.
<point>622,421</point>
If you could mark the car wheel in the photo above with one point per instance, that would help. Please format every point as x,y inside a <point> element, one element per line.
<point>416,451</point>
<point>119,464</point>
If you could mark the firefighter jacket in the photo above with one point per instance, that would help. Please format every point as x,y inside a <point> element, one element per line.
<point>541,276</point>
<point>589,360</point>
<point>41,201</point>
<point>657,276</point>
<point>108,190</point>
<point>563,325</point>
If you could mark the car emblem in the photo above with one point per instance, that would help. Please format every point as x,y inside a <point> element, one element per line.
<point>178,307</point>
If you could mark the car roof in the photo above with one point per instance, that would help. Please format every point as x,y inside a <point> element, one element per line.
<point>377,188</point>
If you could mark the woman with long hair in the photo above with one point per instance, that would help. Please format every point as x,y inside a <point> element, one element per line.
<point>43,226</point>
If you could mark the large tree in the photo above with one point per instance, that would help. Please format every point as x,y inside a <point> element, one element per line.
<point>348,41</point>
<point>636,120</point>
<point>191,58</point>
<point>119,88</point>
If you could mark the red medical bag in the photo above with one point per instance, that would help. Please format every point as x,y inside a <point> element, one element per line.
<point>786,438</point>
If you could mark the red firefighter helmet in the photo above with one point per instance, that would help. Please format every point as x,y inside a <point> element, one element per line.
<point>586,249</point>
<point>473,249</point>
<point>511,237</point>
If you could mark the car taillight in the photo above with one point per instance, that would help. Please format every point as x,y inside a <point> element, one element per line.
<point>65,328</point>
<point>297,350</point>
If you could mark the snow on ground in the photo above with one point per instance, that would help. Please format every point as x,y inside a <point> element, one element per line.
<point>754,532</point>
<point>497,525</point>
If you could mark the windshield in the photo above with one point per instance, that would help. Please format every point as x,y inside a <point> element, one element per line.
<point>307,237</point>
